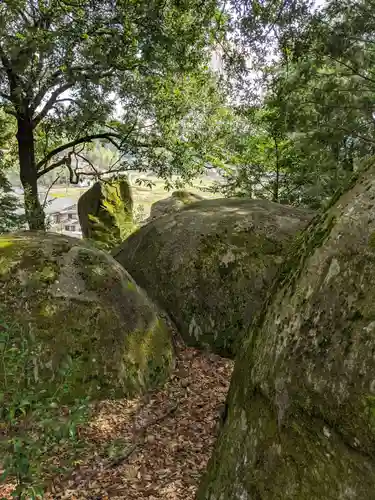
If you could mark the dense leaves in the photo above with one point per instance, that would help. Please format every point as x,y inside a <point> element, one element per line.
<point>307,95</point>
<point>73,73</point>
<point>10,217</point>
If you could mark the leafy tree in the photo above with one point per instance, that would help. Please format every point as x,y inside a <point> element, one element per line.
<point>325,75</point>
<point>264,162</point>
<point>316,71</point>
<point>10,218</point>
<point>66,66</point>
<point>328,80</point>
<point>268,159</point>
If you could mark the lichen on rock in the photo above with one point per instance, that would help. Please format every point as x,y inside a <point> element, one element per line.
<point>305,382</point>
<point>210,264</point>
<point>106,212</point>
<point>81,307</point>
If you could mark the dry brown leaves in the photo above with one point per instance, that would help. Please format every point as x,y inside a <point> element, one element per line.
<point>155,447</point>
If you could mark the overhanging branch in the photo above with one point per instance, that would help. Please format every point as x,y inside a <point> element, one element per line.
<point>74,75</point>
<point>53,80</point>
<point>352,69</point>
<point>59,163</point>
<point>82,140</point>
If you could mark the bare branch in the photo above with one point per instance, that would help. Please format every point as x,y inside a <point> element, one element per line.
<point>87,161</point>
<point>48,191</point>
<point>72,180</point>
<point>111,168</point>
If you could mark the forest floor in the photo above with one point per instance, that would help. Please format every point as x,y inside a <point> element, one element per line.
<point>154,447</point>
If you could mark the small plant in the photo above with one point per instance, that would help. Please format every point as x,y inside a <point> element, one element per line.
<point>34,422</point>
<point>139,214</point>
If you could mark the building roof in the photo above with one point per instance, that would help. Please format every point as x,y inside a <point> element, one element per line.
<point>57,205</point>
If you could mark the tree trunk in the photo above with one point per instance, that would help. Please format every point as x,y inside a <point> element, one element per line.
<point>28,173</point>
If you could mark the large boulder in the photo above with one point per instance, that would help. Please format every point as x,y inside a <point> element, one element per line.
<point>301,408</point>
<point>210,264</point>
<point>105,212</point>
<point>83,311</point>
<point>173,203</point>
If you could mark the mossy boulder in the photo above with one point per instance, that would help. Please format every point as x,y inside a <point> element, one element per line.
<point>83,311</point>
<point>301,408</point>
<point>210,264</point>
<point>173,203</point>
<point>105,212</point>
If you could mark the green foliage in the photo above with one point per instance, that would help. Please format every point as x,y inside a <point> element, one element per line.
<point>35,423</point>
<point>139,215</point>
<point>133,75</point>
<point>10,218</point>
<point>303,137</point>
<point>106,212</point>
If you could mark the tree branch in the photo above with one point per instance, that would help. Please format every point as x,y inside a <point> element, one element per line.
<point>48,191</point>
<point>74,75</point>
<point>353,70</point>
<point>357,136</point>
<point>57,164</point>
<point>51,101</point>
<point>96,172</point>
<point>53,80</point>
<point>89,138</point>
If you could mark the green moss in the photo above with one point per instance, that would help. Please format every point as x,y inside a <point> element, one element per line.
<point>149,354</point>
<point>82,339</point>
<point>325,437</point>
<point>48,274</point>
<point>221,258</point>
<point>302,459</point>
<point>5,243</point>
<point>105,212</point>
<point>371,241</point>
<point>369,406</point>
<point>231,260</point>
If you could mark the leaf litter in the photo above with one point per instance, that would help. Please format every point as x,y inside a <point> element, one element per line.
<point>152,447</point>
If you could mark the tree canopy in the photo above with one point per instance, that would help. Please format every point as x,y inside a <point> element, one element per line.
<point>129,73</point>
<point>289,117</point>
<point>305,76</point>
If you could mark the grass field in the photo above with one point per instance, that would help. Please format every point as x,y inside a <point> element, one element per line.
<point>142,195</point>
